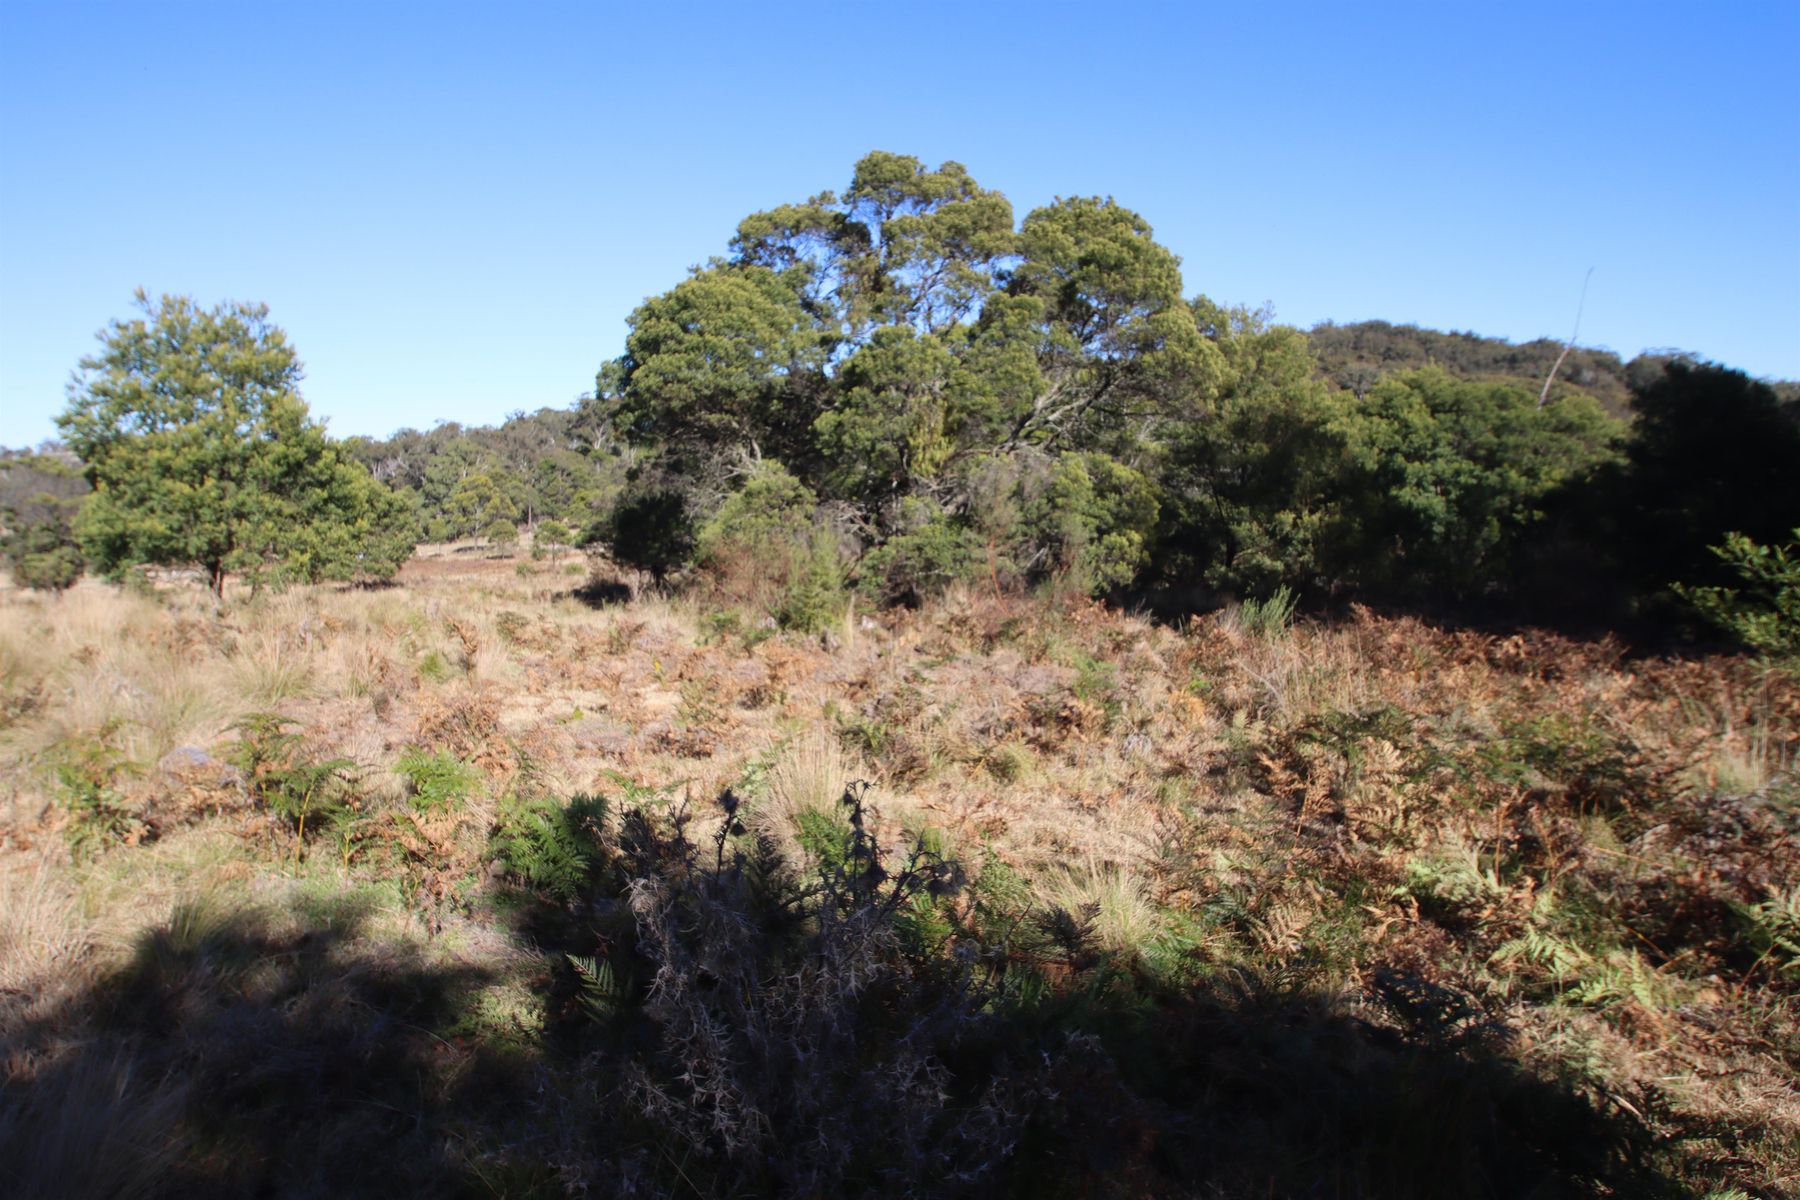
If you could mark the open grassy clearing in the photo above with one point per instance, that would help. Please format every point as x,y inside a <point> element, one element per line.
<point>427,888</point>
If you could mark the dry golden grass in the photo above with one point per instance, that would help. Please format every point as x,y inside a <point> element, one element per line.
<point>808,775</point>
<point>44,941</point>
<point>1328,801</point>
<point>1125,918</point>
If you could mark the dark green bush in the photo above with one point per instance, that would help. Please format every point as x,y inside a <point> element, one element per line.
<point>1763,610</point>
<point>927,554</point>
<point>649,529</point>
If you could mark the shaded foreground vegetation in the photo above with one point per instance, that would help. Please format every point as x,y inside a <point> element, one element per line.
<point>487,884</point>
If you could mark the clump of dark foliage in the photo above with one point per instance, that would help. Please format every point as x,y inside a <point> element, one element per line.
<point>722,1022</point>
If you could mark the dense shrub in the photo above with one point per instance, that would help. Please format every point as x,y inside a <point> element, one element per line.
<point>39,497</point>
<point>45,563</point>
<point>813,596</point>
<point>928,552</point>
<point>1763,611</point>
<point>1712,453</point>
<point>649,529</point>
<point>769,515</point>
<point>1092,520</point>
<point>1449,477</point>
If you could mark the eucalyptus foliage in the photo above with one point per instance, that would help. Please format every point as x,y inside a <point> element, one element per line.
<point>892,344</point>
<point>956,395</point>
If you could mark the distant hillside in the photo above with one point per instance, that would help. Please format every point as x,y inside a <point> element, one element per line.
<point>1355,356</point>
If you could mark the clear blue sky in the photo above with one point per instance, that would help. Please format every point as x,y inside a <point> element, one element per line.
<point>452,208</point>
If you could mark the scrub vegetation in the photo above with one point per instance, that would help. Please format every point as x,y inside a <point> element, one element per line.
<point>472,883</point>
<point>949,715</point>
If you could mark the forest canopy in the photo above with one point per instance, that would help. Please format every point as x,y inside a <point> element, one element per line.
<point>957,394</point>
<point>887,390</point>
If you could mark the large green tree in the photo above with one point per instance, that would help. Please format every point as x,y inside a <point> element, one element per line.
<point>1256,488</point>
<point>1119,353</point>
<point>1449,476</point>
<point>1712,453</point>
<point>903,349</point>
<point>201,452</point>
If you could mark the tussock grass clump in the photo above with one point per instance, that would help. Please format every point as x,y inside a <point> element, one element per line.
<point>800,788</point>
<point>44,940</point>
<point>1124,919</point>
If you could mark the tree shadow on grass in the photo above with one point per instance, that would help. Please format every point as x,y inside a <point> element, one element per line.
<point>251,1053</point>
<point>1263,1090</point>
<point>290,1053</point>
<point>600,593</point>
<point>1091,1078</point>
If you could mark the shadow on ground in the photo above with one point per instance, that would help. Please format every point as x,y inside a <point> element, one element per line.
<point>292,1054</point>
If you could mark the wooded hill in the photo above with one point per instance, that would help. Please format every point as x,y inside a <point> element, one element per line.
<point>898,387</point>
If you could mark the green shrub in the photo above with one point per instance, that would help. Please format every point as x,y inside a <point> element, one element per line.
<point>548,845</point>
<point>1093,522</point>
<point>1008,762</point>
<point>98,816</point>
<point>814,596</point>
<point>280,775</point>
<point>921,562</point>
<point>1449,476</point>
<point>1254,490</point>
<point>1269,616</point>
<point>718,628</point>
<point>550,537</point>
<point>40,496</point>
<point>1599,769</point>
<point>1764,613</point>
<point>501,534</point>
<point>54,568</point>
<point>1096,682</point>
<point>437,781</point>
<point>771,514</point>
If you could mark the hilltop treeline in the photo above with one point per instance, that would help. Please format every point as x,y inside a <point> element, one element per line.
<point>894,388</point>
<point>1356,356</point>
<point>551,464</point>
<point>900,386</point>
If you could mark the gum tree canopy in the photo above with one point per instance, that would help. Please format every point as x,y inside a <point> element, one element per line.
<point>875,341</point>
<point>901,345</point>
<point>201,452</point>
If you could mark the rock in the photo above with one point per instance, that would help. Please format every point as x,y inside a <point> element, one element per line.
<point>193,767</point>
<point>183,759</point>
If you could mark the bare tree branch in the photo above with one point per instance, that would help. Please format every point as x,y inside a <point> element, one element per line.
<point>1544,396</point>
